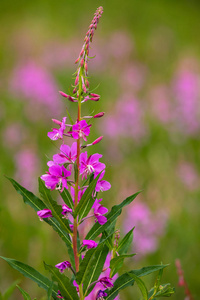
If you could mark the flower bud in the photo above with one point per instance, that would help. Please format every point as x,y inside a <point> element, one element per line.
<point>99,115</point>
<point>97,140</point>
<point>82,62</point>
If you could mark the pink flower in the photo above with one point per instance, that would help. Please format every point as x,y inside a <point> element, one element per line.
<point>58,133</point>
<point>56,178</point>
<point>80,130</point>
<point>66,155</point>
<point>89,244</point>
<point>102,185</point>
<point>44,213</point>
<point>99,211</point>
<point>66,210</point>
<point>91,164</point>
<point>106,281</point>
<point>63,265</point>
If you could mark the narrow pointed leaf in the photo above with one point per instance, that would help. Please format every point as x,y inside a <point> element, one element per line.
<point>96,269</point>
<point>68,291</point>
<point>117,262</point>
<point>111,217</point>
<point>126,280</point>
<point>53,206</point>
<point>67,198</point>
<point>49,294</point>
<point>86,202</point>
<point>32,274</point>
<point>37,204</point>
<point>91,266</point>
<point>24,294</point>
<point>141,286</point>
<point>125,242</point>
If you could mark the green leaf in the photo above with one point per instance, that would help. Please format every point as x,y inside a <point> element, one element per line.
<point>141,285</point>
<point>111,217</point>
<point>91,266</point>
<point>86,201</point>
<point>10,290</point>
<point>37,204</point>
<point>68,291</point>
<point>25,294</point>
<point>125,242</point>
<point>53,206</point>
<point>67,198</point>
<point>49,294</point>
<point>126,280</point>
<point>32,274</point>
<point>117,262</point>
<point>108,239</point>
<point>1,297</point>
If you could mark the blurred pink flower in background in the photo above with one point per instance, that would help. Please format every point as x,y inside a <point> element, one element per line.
<point>187,105</point>
<point>35,84</point>
<point>149,227</point>
<point>160,103</point>
<point>126,120</point>
<point>27,168</point>
<point>13,135</point>
<point>188,175</point>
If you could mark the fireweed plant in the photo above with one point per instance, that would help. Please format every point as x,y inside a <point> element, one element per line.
<point>95,258</point>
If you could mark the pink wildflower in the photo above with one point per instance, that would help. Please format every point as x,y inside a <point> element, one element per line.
<point>44,213</point>
<point>56,178</point>
<point>63,265</point>
<point>102,185</point>
<point>80,130</point>
<point>66,155</point>
<point>99,211</point>
<point>89,244</point>
<point>58,133</point>
<point>90,164</point>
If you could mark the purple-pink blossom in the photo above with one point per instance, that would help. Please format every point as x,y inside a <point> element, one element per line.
<point>106,281</point>
<point>44,213</point>
<point>80,130</point>
<point>66,210</point>
<point>56,178</point>
<point>58,133</point>
<point>63,265</point>
<point>89,244</point>
<point>66,155</point>
<point>91,164</point>
<point>100,295</point>
<point>99,211</point>
<point>102,185</point>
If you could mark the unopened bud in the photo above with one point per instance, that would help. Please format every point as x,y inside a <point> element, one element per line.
<point>87,83</point>
<point>77,60</point>
<point>76,80</point>
<point>57,122</point>
<point>99,115</point>
<point>63,94</point>
<point>82,62</point>
<point>86,68</point>
<point>97,140</point>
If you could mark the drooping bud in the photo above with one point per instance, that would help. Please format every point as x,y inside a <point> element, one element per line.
<point>99,115</point>
<point>57,122</point>
<point>44,213</point>
<point>97,140</point>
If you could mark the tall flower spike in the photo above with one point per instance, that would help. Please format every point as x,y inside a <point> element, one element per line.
<point>83,55</point>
